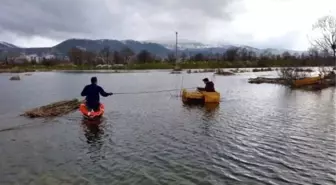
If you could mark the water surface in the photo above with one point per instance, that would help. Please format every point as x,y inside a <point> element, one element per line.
<point>259,134</point>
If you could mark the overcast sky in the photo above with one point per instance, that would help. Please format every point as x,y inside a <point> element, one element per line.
<point>258,23</point>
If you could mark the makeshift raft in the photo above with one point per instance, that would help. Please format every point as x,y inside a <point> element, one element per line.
<point>90,114</point>
<point>200,97</point>
<point>53,109</point>
<point>307,81</point>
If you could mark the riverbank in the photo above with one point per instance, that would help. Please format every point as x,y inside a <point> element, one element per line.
<point>201,67</point>
<point>194,67</point>
<point>84,68</point>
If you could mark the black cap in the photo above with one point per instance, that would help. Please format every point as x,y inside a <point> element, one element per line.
<point>94,79</point>
<point>205,80</point>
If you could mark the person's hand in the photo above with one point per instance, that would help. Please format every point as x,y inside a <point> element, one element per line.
<point>110,94</point>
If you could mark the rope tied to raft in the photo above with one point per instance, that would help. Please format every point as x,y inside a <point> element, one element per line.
<point>148,92</point>
<point>66,106</point>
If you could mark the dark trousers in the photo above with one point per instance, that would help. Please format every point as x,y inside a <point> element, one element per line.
<point>200,89</point>
<point>93,106</point>
<point>204,89</point>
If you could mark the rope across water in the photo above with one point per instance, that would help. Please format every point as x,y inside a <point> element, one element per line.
<point>148,92</point>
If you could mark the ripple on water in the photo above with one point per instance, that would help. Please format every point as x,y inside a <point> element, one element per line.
<point>260,134</point>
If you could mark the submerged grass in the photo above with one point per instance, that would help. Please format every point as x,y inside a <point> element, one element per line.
<point>53,109</point>
<point>142,66</point>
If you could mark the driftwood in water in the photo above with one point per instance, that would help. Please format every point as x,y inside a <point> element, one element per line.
<point>239,70</point>
<point>223,73</point>
<point>201,71</point>
<point>53,109</point>
<point>260,80</point>
<point>262,69</point>
<point>15,78</point>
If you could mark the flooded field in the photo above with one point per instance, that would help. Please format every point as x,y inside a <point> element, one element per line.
<point>259,134</point>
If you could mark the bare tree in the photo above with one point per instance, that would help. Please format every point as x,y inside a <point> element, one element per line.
<point>286,55</point>
<point>105,54</point>
<point>231,53</point>
<point>289,74</point>
<point>313,53</point>
<point>199,57</point>
<point>144,57</point>
<point>326,26</point>
<point>89,57</point>
<point>183,57</point>
<point>325,71</point>
<point>127,54</point>
<point>171,57</point>
<point>117,58</point>
<point>266,55</point>
<point>243,53</point>
<point>251,55</point>
<point>76,56</point>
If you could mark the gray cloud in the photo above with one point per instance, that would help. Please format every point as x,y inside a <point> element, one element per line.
<point>285,41</point>
<point>119,19</point>
<point>54,19</point>
<point>126,19</point>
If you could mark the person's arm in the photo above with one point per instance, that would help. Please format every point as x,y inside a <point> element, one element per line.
<point>84,91</point>
<point>200,88</point>
<point>103,93</point>
<point>207,87</point>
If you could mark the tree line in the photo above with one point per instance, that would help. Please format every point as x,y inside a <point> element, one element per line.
<point>108,56</point>
<point>235,56</point>
<point>322,53</point>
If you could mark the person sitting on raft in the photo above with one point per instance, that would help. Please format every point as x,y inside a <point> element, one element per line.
<point>209,86</point>
<point>92,92</point>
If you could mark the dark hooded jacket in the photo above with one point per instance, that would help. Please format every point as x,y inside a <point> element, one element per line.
<point>92,93</point>
<point>209,87</point>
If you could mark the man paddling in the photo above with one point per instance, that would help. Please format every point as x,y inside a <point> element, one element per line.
<point>92,92</point>
<point>209,86</point>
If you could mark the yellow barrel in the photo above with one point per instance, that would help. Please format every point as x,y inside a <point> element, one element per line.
<point>211,97</point>
<point>207,97</point>
<point>306,81</point>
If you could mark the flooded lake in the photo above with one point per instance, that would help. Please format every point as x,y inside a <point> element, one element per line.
<point>259,134</point>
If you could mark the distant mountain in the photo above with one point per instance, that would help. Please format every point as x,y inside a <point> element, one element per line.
<point>152,47</point>
<point>5,45</point>
<point>89,45</point>
<point>197,47</point>
<point>113,45</point>
<point>159,48</point>
<point>184,45</point>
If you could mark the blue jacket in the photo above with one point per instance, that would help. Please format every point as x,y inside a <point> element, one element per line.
<point>92,92</point>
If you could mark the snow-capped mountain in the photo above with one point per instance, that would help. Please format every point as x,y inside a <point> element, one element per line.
<point>159,48</point>
<point>5,45</point>
<point>191,46</point>
<point>187,45</point>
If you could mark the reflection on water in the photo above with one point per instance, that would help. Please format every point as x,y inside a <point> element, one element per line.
<point>93,130</point>
<point>209,115</point>
<point>209,110</point>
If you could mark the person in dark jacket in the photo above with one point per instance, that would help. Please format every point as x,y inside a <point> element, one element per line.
<point>92,92</point>
<point>209,86</point>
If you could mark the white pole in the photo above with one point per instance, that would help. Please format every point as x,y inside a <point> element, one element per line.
<point>176,48</point>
